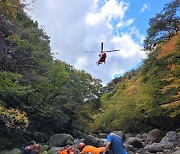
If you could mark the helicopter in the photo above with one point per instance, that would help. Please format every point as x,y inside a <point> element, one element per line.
<point>102,54</point>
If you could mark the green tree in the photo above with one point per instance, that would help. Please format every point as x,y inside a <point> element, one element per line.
<point>164,25</point>
<point>48,95</point>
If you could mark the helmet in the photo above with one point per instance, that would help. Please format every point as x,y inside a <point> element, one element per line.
<point>80,145</point>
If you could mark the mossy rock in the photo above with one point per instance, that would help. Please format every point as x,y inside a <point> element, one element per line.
<point>13,151</point>
<point>44,152</point>
<point>44,148</point>
<point>3,152</point>
<point>60,140</point>
<point>53,150</point>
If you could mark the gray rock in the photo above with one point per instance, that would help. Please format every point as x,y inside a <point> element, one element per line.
<point>139,136</point>
<point>130,152</point>
<point>102,135</point>
<point>171,136</point>
<point>155,147</point>
<point>77,141</point>
<point>166,151</point>
<point>130,148</point>
<point>4,152</point>
<point>177,152</point>
<point>44,147</point>
<point>121,134</point>
<point>135,142</point>
<point>178,133</point>
<point>60,140</point>
<point>169,145</point>
<point>144,136</point>
<point>128,135</point>
<point>141,151</point>
<point>13,151</point>
<point>154,136</point>
<point>53,150</point>
<point>94,141</point>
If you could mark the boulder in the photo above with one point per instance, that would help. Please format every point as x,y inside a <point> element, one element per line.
<point>13,151</point>
<point>171,136</point>
<point>130,148</point>
<point>139,136</point>
<point>60,140</point>
<point>77,141</point>
<point>4,152</point>
<point>155,147</point>
<point>144,136</point>
<point>102,135</point>
<point>91,140</point>
<point>141,151</point>
<point>53,150</point>
<point>128,135</point>
<point>166,151</point>
<point>169,145</point>
<point>121,134</point>
<point>135,142</point>
<point>154,136</point>
<point>44,147</point>
<point>177,152</point>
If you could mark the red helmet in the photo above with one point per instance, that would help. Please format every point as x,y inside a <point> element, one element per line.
<point>80,145</point>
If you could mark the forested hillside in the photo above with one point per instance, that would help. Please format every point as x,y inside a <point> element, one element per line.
<point>39,96</point>
<point>148,97</point>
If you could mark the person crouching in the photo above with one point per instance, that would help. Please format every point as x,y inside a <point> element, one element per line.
<point>88,148</point>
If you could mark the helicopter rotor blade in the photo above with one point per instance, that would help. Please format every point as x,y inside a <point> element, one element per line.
<point>90,51</point>
<point>112,50</point>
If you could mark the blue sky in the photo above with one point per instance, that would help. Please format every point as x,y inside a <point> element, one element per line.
<point>75,26</point>
<point>142,19</point>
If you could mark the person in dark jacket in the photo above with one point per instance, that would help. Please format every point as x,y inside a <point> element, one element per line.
<point>37,149</point>
<point>29,148</point>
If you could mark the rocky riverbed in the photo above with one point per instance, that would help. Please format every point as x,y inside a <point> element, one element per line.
<point>151,142</point>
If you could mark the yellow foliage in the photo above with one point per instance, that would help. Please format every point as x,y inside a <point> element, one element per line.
<point>174,114</point>
<point>14,118</point>
<point>10,7</point>
<point>173,105</point>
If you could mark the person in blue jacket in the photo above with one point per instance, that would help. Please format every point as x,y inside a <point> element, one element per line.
<point>114,144</point>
